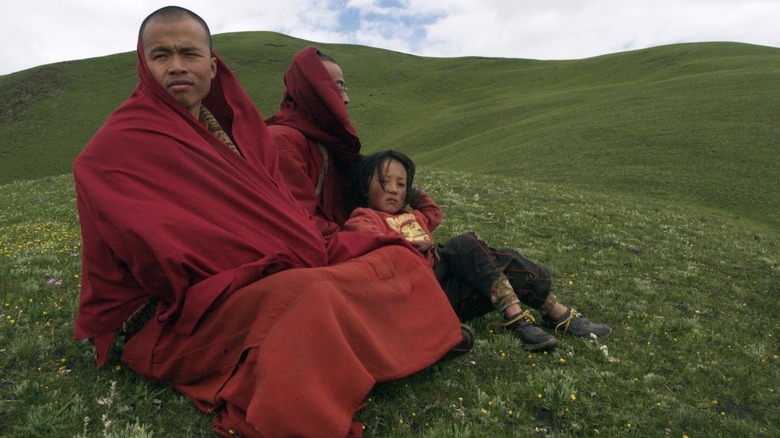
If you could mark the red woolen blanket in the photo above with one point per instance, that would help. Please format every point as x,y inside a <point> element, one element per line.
<point>296,354</point>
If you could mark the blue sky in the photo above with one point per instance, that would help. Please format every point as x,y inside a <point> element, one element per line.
<point>37,32</point>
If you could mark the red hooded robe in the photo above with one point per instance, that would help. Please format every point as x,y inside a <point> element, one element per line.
<point>259,317</point>
<point>312,113</point>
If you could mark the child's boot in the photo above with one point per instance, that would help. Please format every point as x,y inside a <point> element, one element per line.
<point>574,323</point>
<point>534,338</point>
<point>522,324</point>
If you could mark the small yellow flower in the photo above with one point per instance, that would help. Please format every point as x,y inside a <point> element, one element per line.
<point>484,411</point>
<point>562,360</point>
<point>118,368</point>
<point>539,395</point>
<point>573,397</point>
<point>715,402</point>
<point>509,412</point>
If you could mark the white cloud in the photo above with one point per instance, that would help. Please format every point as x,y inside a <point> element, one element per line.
<point>36,32</point>
<point>569,29</point>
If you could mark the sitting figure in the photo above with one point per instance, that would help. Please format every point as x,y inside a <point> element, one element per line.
<point>316,140</point>
<point>476,277</point>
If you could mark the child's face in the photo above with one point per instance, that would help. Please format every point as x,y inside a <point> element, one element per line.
<point>391,197</point>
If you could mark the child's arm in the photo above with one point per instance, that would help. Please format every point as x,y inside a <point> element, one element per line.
<point>427,208</point>
<point>364,220</point>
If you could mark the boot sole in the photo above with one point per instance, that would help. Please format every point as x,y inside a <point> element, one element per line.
<point>549,344</point>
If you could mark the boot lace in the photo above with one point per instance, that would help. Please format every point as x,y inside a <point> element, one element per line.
<point>566,322</point>
<point>522,316</point>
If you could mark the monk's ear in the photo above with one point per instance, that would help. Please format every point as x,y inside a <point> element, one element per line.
<point>213,67</point>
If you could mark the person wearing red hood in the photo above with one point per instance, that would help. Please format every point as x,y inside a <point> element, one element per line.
<point>255,315</point>
<point>315,138</point>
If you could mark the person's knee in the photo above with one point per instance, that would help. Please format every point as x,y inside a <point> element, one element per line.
<point>467,240</point>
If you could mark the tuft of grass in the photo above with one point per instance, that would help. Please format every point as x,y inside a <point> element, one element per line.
<point>691,296</point>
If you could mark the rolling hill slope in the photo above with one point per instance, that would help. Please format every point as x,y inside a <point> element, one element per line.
<point>692,124</point>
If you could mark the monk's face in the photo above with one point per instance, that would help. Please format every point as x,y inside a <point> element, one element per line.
<point>338,77</point>
<point>388,195</point>
<point>178,56</point>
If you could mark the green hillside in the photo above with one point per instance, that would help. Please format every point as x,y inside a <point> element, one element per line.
<point>646,181</point>
<point>692,124</point>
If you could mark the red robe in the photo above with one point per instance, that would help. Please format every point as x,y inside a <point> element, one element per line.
<point>312,113</point>
<point>168,211</point>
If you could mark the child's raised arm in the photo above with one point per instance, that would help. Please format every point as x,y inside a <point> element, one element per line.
<point>427,209</point>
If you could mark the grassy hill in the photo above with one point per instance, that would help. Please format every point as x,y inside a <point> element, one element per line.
<point>685,124</point>
<point>646,181</point>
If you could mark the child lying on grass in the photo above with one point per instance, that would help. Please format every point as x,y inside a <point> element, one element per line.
<point>476,277</point>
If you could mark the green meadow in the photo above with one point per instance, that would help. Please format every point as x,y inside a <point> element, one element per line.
<point>647,181</point>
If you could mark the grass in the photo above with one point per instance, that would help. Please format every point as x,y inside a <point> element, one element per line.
<point>690,294</point>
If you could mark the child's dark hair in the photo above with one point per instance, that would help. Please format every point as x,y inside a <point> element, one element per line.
<point>364,170</point>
